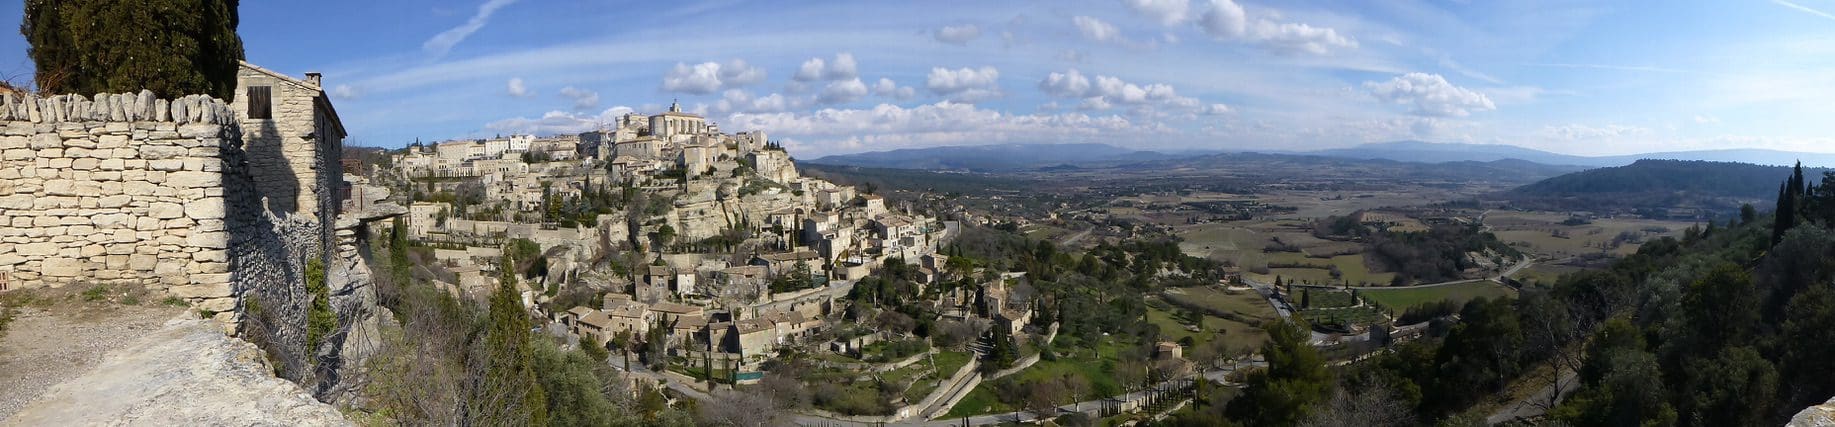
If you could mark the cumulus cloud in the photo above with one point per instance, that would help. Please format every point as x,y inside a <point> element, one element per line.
<point>1289,37</point>
<point>582,98</point>
<point>1104,92</point>
<point>889,126</point>
<point>958,35</point>
<point>709,77</point>
<point>1166,12</point>
<point>889,89</point>
<point>1429,95</point>
<point>842,67</point>
<point>1095,29</point>
<point>1216,109</point>
<point>1226,20</point>
<point>445,40</point>
<point>964,84</point>
<point>740,101</point>
<point>559,122</point>
<point>518,89</point>
<point>344,92</point>
<point>841,92</point>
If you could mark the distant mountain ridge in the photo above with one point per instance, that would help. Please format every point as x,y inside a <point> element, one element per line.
<point>1436,152</point>
<point>1019,157</point>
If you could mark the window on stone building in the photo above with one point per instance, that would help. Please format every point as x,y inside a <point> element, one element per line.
<point>260,104</point>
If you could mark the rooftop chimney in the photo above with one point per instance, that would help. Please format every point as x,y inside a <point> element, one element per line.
<point>313,78</point>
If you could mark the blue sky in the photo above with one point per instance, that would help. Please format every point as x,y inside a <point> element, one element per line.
<point>838,77</point>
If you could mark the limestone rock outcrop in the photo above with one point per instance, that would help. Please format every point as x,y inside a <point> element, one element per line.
<point>186,373</point>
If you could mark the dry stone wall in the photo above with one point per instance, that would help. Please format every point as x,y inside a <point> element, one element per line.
<point>133,190</point>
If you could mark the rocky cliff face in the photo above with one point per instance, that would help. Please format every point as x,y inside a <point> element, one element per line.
<point>186,373</point>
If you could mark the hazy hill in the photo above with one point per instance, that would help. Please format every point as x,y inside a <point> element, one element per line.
<point>1652,184</point>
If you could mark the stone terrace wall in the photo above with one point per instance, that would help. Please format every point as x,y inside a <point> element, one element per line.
<point>130,189</point>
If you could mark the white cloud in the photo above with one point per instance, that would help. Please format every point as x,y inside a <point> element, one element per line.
<point>1166,12</point>
<point>445,40</point>
<point>518,89</point>
<point>1216,109</point>
<point>964,84</point>
<point>889,89</point>
<point>559,122</point>
<point>582,98</point>
<point>958,35</point>
<point>1069,84</point>
<point>1104,92</point>
<point>1224,19</point>
<point>1289,37</point>
<point>1582,132</point>
<point>344,92</point>
<point>709,77</point>
<point>700,79</point>
<point>1430,95</point>
<point>889,126</point>
<point>1095,29</point>
<point>737,73</point>
<point>740,101</point>
<point>841,92</point>
<point>842,67</point>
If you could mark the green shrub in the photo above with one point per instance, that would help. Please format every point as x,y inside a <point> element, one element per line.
<point>319,318</point>
<point>96,293</point>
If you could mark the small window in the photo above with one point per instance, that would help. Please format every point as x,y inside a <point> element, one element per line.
<point>260,104</point>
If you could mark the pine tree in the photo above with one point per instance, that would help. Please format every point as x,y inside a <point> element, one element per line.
<point>171,47</point>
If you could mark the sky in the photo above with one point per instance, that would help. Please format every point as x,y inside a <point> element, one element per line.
<point>1588,78</point>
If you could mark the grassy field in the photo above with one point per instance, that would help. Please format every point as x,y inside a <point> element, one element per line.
<point>1323,298</point>
<point>1543,233</point>
<point>1402,299</point>
<point>1361,315</point>
<point>1235,334</point>
<point>1356,272</point>
<point>1092,362</point>
<point>947,364</point>
<point>1543,274</point>
<point>1246,303</point>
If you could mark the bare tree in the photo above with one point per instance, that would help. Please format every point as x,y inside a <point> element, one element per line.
<point>740,409</point>
<point>1375,406</point>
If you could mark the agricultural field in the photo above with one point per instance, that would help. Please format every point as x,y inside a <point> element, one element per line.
<point>1544,274</point>
<point>1544,234</point>
<point>1245,303</point>
<point>1317,298</point>
<point>1400,300</point>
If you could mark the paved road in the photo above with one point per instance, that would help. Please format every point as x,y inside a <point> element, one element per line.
<point>1079,236</point>
<point>1536,405</point>
<point>1519,266</point>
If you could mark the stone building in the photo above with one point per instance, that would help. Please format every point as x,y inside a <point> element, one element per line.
<point>293,139</point>
<point>675,123</point>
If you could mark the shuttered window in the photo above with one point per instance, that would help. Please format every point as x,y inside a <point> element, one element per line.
<point>260,104</point>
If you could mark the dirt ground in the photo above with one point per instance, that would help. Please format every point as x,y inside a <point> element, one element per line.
<point>54,338</point>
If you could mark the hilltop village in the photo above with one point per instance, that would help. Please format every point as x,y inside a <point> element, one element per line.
<point>664,228</point>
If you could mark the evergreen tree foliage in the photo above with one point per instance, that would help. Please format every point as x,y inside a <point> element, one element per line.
<point>1296,380</point>
<point>171,47</point>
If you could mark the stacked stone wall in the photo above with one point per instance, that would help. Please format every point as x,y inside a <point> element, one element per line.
<point>122,189</point>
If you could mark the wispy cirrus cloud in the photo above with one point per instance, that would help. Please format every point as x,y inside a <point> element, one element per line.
<point>1804,9</point>
<point>445,40</point>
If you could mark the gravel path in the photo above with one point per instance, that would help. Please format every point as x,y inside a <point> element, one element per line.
<point>42,348</point>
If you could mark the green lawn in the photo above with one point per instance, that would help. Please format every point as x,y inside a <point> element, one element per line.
<point>1401,300</point>
<point>1360,316</point>
<point>947,364</point>
<point>978,401</point>
<point>1246,303</point>
<point>1355,272</point>
<point>1322,298</point>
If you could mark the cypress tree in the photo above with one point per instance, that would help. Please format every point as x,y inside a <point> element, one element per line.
<point>171,47</point>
